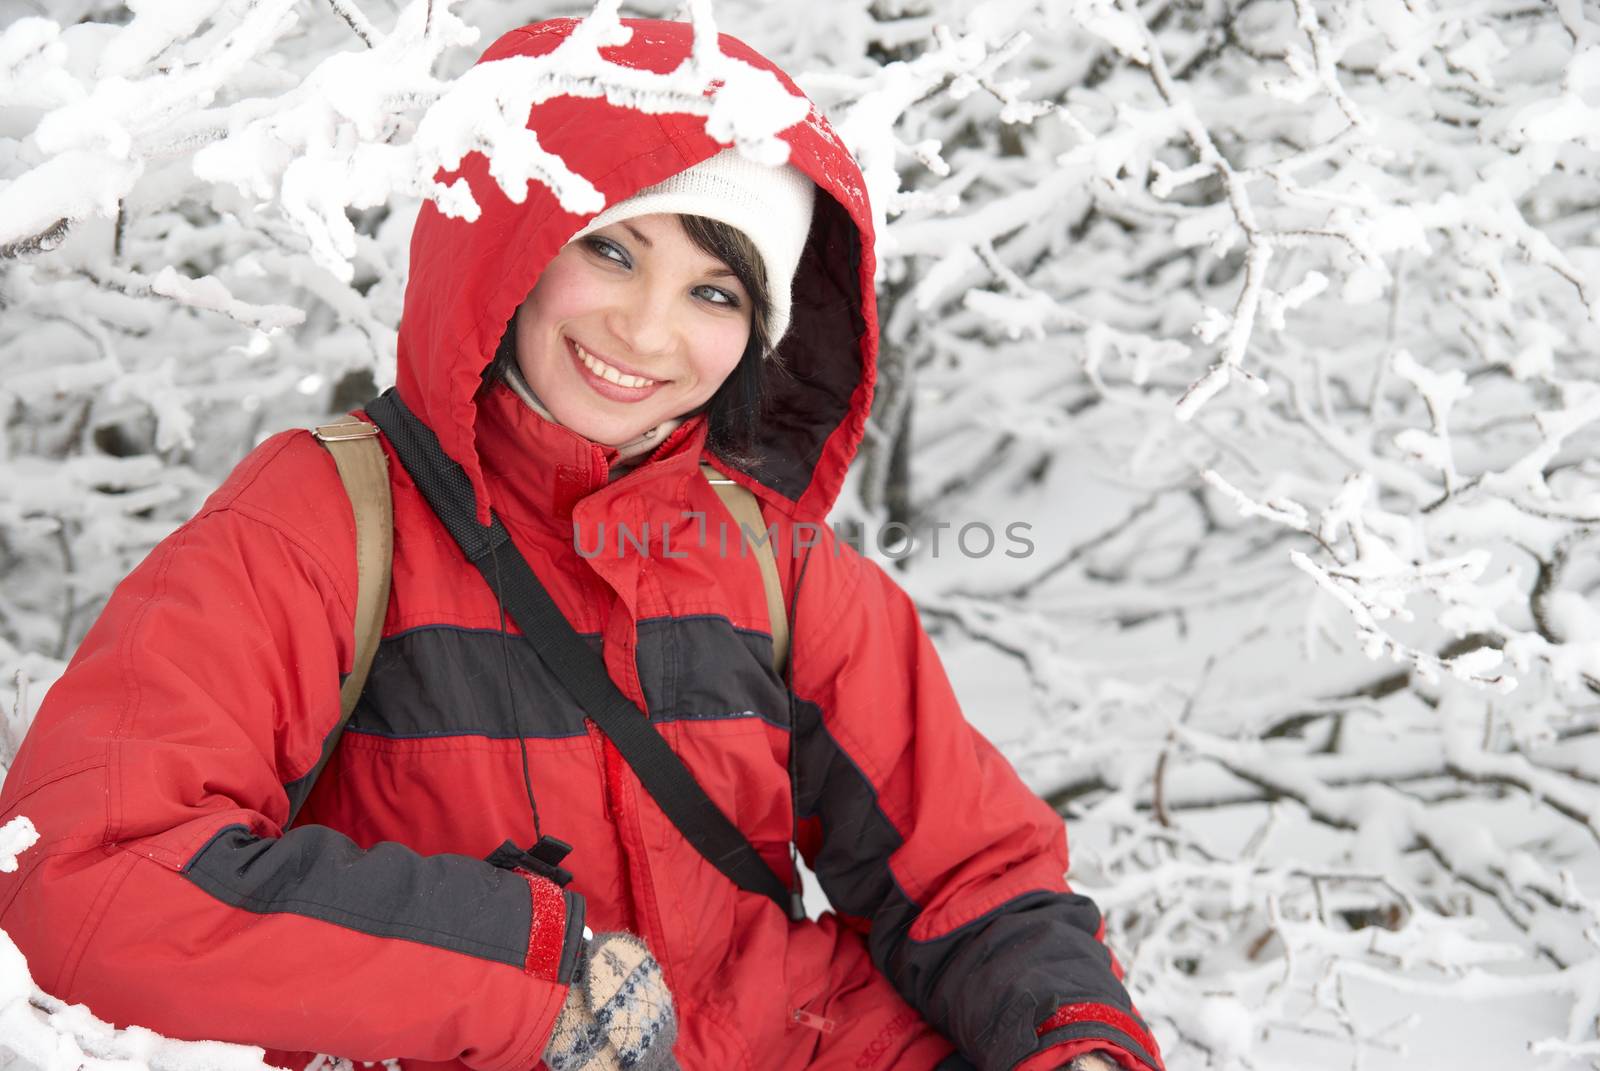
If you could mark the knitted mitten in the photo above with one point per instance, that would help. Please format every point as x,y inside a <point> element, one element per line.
<point>618,1014</point>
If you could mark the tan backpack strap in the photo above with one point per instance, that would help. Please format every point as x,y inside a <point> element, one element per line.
<point>364,470</point>
<point>747,512</point>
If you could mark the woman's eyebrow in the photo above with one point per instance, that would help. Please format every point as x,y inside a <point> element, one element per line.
<point>722,271</point>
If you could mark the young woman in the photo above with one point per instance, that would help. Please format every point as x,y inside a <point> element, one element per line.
<point>578,372</point>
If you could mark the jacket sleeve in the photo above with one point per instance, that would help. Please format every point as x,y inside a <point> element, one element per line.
<point>924,832</point>
<point>165,891</point>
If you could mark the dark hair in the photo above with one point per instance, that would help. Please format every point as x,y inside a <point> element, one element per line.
<point>734,411</point>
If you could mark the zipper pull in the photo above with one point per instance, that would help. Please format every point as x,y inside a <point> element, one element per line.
<point>815,1022</point>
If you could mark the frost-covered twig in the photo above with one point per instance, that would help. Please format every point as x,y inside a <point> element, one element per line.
<point>358,23</point>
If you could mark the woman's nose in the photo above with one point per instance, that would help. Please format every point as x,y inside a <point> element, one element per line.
<point>645,322</point>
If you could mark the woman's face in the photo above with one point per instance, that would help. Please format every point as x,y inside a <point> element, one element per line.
<point>629,326</point>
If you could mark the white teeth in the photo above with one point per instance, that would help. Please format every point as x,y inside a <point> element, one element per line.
<point>607,373</point>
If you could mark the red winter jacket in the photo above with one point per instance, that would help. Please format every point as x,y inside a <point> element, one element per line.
<point>162,768</point>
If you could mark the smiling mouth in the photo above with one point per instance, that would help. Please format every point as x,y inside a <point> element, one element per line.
<point>611,374</point>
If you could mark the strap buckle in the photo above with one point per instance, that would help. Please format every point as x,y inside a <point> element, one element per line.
<point>345,430</point>
<point>715,477</point>
<point>544,858</point>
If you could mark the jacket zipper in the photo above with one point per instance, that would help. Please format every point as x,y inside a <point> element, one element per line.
<point>613,801</point>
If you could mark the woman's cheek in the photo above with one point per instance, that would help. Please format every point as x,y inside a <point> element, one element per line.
<point>731,341</point>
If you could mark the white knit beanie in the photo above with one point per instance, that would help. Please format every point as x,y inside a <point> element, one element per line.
<point>771,205</point>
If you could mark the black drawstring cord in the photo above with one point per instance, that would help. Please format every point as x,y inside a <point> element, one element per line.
<point>516,717</point>
<point>546,854</point>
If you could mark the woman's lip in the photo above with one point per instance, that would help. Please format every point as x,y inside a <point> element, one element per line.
<point>618,365</point>
<point>607,389</point>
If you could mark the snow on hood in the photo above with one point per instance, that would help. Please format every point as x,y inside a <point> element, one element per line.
<point>467,279</point>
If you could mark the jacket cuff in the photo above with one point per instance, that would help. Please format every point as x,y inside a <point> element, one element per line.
<point>555,931</point>
<point>1060,1057</point>
<point>572,943</point>
<point>1107,1027</point>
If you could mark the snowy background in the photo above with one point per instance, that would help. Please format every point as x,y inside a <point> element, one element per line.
<point>1275,319</point>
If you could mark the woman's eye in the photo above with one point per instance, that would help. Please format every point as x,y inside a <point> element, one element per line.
<point>609,250</point>
<point>718,296</point>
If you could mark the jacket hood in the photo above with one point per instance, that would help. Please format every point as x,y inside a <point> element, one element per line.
<point>467,278</point>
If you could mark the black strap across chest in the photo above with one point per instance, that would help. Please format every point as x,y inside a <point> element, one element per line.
<point>580,670</point>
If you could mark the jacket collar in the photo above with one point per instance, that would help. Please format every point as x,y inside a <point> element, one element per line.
<point>537,468</point>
